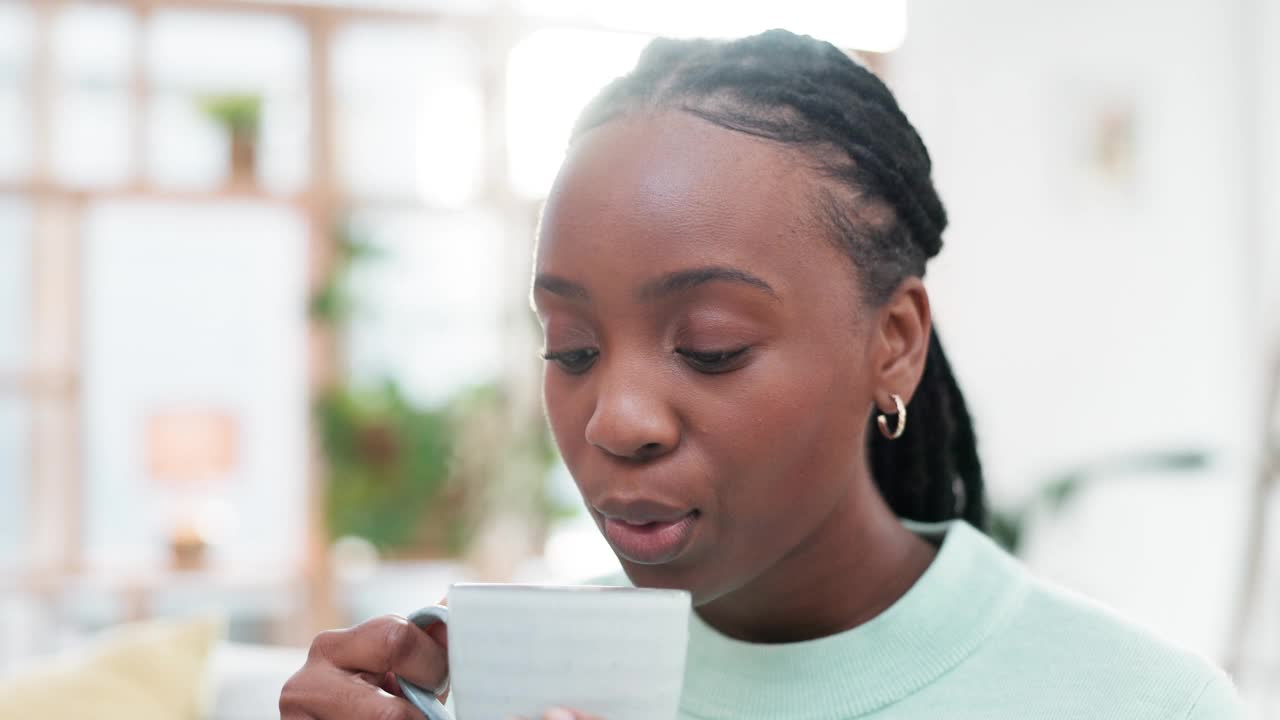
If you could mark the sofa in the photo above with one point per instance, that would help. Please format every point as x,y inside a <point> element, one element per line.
<point>166,669</point>
<point>244,680</point>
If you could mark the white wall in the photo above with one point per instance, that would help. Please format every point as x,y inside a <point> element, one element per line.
<point>1087,316</point>
<point>1262,646</point>
<point>197,307</point>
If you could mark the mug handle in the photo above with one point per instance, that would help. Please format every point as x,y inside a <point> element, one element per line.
<point>422,698</point>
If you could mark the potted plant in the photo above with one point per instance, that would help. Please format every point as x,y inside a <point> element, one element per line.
<point>239,115</point>
<point>388,465</point>
<point>425,481</point>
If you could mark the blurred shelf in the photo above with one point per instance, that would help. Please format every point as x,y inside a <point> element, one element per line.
<point>230,193</point>
<point>483,17</point>
<point>399,11</point>
<point>148,192</point>
<point>146,579</point>
<point>39,383</point>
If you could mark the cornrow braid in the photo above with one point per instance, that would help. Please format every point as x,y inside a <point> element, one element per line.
<point>878,201</point>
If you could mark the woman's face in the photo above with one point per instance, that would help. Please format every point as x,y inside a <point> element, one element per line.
<point>709,379</point>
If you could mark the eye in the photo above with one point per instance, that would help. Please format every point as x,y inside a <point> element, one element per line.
<point>712,361</point>
<point>574,362</point>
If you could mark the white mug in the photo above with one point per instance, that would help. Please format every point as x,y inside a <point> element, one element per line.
<point>516,650</point>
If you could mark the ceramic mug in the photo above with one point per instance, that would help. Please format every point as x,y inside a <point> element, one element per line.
<point>516,650</point>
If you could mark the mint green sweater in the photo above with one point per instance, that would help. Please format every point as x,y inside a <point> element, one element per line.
<point>976,637</point>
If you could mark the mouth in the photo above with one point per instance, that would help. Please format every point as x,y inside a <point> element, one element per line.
<point>647,541</point>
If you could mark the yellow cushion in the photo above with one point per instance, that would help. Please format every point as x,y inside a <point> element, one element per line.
<point>146,671</point>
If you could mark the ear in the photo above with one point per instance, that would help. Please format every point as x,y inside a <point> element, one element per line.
<point>901,344</point>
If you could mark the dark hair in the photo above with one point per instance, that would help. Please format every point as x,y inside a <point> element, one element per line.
<point>879,203</point>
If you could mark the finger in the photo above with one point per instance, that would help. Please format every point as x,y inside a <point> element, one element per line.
<point>369,702</point>
<point>440,631</point>
<point>323,692</point>
<point>387,682</point>
<point>385,644</point>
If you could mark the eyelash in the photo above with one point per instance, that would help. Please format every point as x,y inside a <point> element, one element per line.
<point>565,359</point>
<point>714,362</point>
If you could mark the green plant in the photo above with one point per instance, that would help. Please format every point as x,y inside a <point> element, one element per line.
<point>504,456</point>
<point>334,302</point>
<point>415,480</point>
<point>238,113</point>
<point>388,465</point>
<point>1009,525</point>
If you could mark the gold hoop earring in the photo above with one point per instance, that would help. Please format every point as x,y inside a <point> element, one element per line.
<point>883,422</point>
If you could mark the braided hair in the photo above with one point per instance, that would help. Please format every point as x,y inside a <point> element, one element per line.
<point>878,203</point>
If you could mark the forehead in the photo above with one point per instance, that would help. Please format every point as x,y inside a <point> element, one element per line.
<point>660,190</point>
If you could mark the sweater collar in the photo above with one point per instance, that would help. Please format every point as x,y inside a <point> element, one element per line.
<point>963,597</point>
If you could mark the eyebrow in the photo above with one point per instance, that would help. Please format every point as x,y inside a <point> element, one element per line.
<point>682,280</point>
<point>557,285</point>
<point>674,282</point>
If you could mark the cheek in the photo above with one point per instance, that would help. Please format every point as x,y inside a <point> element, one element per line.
<point>555,402</point>
<point>789,439</point>
<point>567,415</point>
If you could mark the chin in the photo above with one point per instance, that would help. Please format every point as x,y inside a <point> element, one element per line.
<point>670,576</point>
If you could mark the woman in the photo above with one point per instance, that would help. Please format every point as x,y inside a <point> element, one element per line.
<point>728,275</point>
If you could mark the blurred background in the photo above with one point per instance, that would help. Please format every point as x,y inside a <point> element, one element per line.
<point>265,345</point>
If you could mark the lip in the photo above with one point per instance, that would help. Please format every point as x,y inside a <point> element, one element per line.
<point>652,542</point>
<point>640,511</point>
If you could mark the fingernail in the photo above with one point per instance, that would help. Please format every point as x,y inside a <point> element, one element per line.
<point>557,713</point>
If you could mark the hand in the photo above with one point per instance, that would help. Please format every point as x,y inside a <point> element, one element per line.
<point>351,673</point>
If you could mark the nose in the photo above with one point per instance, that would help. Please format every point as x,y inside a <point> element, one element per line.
<point>632,422</point>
